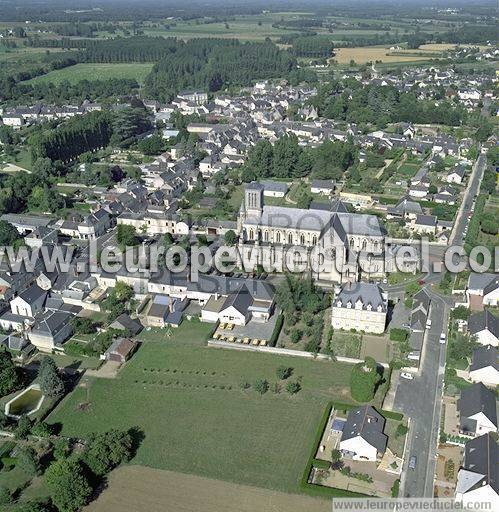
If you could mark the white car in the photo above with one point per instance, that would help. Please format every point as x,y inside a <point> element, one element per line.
<point>428,323</point>
<point>442,338</point>
<point>407,375</point>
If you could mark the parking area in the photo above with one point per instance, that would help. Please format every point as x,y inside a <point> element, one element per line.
<point>254,332</point>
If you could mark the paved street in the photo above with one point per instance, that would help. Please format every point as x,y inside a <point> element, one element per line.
<point>471,191</point>
<point>420,399</point>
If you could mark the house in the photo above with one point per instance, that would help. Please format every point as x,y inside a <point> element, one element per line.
<point>274,189</point>
<point>404,209</point>
<point>50,330</point>
<point>359,306</point>
<point>485,327</point>
<point>477,410</point>
<point>482,290</point>
<point>120,350</point>
<point>424,224</point>
<point>478,478</point>
<point>419,190</point>
<point>324,187</point>
<point>484,366</point>
<point>456,174</point>
<point>164,310</point>
<point>363,437</point>
<point>239,307</point>
<point>18,346</point>
<point>125,323</point>
<point>29,302</point>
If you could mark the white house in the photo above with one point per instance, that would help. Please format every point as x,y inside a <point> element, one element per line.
<point>324,187</point>
<point>484,366</point>
<point>29,302</point>
<point>477,410</point>
<point>482,290</point>
<point>359,306</point>
<point>456,174</point>
<point>485,327</point>
<point>363,437</point>
<point>477,480</point>
<point>274,189</point>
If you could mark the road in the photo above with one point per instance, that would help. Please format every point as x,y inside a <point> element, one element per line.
<point>420,399</point>
<point>469,196</point>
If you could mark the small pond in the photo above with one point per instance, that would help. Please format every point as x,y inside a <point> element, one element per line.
<point>26,402</point>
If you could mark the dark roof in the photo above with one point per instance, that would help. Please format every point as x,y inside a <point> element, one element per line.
<point>426,220</point>
<point>481,455</point>
<point>52,322</point>
<point>32,294</point>
<point>484,320</point>
<point>241,300</point>
<point>367,423</point>
<point>254,185</point>
<point>122,346</point>
<point>477,398</point>
<point>367,293</point>
<point>486,281</point>
<point>334,206</point>
<point>327,184</point>
<point>484,357</point>
<point>126,323</point>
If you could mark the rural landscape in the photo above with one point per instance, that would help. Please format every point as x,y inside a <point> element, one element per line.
<point>248,255</point>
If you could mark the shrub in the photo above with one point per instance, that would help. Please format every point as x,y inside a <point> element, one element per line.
<point>23,427</point>
<point>400,335</point>
<point>293,387</point>
<point>5,496</point>
<point>401,430</point>
<point>283,372</point>
<point>261,386</point>
<point>296,335</point>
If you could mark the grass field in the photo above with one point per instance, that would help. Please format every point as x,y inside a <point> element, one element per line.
<point>196,418</point>
<point>90,71</point>
<point>133,488</point>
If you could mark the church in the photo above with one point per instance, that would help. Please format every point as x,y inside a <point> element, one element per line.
<point>332,244</point>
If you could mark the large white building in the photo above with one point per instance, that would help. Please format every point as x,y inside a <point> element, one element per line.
<point>359,306</point>
<point>333,245</point>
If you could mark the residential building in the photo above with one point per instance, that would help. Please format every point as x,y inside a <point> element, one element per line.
<point>482,290</point>
<point>363,437</point>
<point>477,410</point>
<point>485,327</point>
<point>484,366</point>
<point>478,478</point>
<point>359,306</point>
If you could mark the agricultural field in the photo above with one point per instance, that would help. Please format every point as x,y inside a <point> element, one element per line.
<point>134,488</point>
<point>363,54</point>
<point>190,403</point>
<point>90,71</point>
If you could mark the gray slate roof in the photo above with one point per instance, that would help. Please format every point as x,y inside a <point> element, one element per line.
<point>367,423</point>
<point>484,320</point>
<point>484,357</point>
<point>486,281</point>
<point>474,399</point>
<point>481,455</point>
<point>368,293</point>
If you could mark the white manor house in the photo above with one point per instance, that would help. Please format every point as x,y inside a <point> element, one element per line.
<point>342,246</point>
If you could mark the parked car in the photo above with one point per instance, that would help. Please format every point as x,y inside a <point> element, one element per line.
<point>407,375</point>
<point>428,323</point>
<point>442,338</point>
<point>412,462</point>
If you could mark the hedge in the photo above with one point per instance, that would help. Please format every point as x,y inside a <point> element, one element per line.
<point>315,489</point>
<point>277,330</point>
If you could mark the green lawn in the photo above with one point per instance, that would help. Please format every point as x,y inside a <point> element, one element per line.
<point>346,344</point>
<point>196,418</point>
<point>90,71</point>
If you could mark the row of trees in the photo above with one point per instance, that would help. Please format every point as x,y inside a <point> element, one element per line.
<point>89,132</point>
